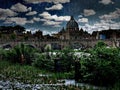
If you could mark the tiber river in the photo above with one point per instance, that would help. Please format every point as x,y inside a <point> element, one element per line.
<point>7,85</point>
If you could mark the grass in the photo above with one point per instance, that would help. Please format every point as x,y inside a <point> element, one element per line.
<point>22,73</point>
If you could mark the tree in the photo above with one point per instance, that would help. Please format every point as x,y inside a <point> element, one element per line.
<point>100,44</point>
<point>102,67</point>
<point>22,54</point>
<point>19,29</point>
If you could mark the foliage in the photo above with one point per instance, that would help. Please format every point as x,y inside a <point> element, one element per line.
<point>28,74</point>
<point>24,73</point>
<point>102,67</point>
<point>115,87</point>
<point>100,44</point>
<point>63,60</point>
<point>67,59</point>
<point>20,54</point>
<point>43,61</point>
<point>11,29</point>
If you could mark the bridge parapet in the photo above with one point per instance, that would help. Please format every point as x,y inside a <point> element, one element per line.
<point>62,43</point>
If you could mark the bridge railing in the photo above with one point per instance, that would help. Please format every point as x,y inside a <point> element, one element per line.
<point>39,41</point>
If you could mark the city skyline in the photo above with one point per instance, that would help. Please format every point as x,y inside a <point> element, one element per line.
<point>50,16</point>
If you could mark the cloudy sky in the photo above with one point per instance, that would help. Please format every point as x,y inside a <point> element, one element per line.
<point>51,16</point>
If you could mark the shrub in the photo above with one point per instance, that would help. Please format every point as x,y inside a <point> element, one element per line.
<point>43,62</point>
<point>66,60</point>
<point>102,67</point>
<point>20,54</point>
<point>62,62</point>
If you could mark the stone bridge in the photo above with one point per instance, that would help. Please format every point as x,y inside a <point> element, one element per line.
<point>59,44</point>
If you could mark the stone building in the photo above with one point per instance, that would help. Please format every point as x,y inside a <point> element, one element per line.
<point>72,32</point>
<point>38,34</point>
<point>107,34</point>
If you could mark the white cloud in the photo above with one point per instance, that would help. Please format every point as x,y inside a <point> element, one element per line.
<point>31,13</point>
<point>2,18</point>
<point>106,2</point>
<point>4,13</point>
<point>18,20</point>
<point>49,1</point>
<point>96,27</point>
<point>53,20</point>
<point>55,7</point>
<point>19,8</point>
<point>45,32</point>
<point>30,21</point>
<point>80,16</point>
<point>36,19</point>
<point>112,15</point>
<point>48,22</point>
<point>57,26</point>
<point>51,23</point>
<point>89,12</point>
<point>115,25</point>
<point>107,21</point>
<point>30,9</point>
<point>61,18</point>
<point>102,25</point>
<point>45,14</point>
<point>48,16</point>
<point>83,20</point>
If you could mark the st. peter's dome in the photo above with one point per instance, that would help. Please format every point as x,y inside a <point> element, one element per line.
<point>72,23</point>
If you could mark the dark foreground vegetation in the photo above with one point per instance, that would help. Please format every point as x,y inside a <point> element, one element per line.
<point>101,67</point>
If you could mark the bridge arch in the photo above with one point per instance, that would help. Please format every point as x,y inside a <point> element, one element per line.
<point>53,46</point>
<point>77,45</point>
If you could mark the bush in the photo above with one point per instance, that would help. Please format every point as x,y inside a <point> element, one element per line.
<point>102,67</point>
<point>62,62</point>
<point>66,60</point>
<point>20,54</point>
<point>43,62</point>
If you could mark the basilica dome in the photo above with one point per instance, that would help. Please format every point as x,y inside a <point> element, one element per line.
<point>72,23</point>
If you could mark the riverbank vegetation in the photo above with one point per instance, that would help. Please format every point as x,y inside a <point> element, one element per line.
<point>28,74</point>
<point>97,66</point>
<point>102,67</point>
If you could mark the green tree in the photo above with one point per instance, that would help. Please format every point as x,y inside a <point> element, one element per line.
<point>21,54</point>
<point>67,61</point>
<point>102,67</point>
<point>19,29</point>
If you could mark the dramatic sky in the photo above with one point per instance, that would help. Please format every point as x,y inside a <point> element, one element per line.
<point>51,16</point>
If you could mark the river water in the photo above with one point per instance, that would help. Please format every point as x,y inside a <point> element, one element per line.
<point>7,85</point>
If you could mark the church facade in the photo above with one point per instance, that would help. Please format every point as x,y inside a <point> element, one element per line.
<point>72,31</point>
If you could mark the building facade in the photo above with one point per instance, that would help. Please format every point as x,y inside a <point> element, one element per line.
<point>107,34</point>
<point>72,31</point>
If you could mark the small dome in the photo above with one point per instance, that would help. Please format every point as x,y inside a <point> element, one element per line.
<point>72,23</point>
